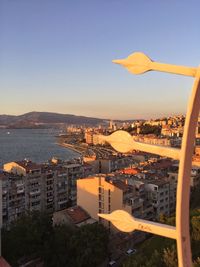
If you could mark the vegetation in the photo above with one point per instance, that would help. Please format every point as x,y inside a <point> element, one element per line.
<point>33,236</point>
<point>150,129</point>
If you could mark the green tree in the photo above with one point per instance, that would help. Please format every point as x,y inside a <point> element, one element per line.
<point>25,237</point>
<point>150,129</point>
<point>56,251</point>
<point>89,246</point>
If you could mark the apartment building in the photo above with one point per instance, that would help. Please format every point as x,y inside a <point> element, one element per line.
<point>101,195</point>
<point>159,195</point>
<point>172,178</point>
<point>13,197</point>
<point>89,138</point>
<point>27,186</point>
<point>141,206</point>
<point>153,140</point>
<point>33,182</point>
<point>110,163</point>
<point>194,177</point>
<point>106,193</point>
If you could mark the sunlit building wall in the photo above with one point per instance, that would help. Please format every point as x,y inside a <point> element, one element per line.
<point>96,195</point>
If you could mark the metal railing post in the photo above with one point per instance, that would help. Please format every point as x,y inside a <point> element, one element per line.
<point>139,63</point>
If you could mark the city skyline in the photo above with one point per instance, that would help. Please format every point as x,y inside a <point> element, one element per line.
<point>57,57</point>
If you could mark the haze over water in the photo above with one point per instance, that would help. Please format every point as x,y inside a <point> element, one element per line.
<point>37,145</point>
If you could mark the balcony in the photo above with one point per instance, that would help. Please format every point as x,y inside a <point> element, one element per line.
<point>35,192</point>
<point>20,191</point>
<point>62,202</point>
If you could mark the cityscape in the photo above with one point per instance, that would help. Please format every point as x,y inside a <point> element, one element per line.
<point>99,166</point>
<point>101,180</point>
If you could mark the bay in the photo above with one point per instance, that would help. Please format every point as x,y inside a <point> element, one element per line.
<point>37,145</point>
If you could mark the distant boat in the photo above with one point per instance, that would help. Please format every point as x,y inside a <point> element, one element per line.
<point>8,132</point>
<point>61,135</point>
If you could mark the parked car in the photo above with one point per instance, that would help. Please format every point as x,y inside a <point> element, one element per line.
<point>111,263</point>
<point>131,251</point>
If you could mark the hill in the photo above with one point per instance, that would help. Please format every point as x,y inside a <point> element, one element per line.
<point>45,119</point>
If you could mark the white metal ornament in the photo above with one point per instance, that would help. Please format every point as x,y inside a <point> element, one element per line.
<point>139,63</point>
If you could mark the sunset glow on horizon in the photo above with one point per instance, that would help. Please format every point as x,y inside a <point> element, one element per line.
<point>56,56</point>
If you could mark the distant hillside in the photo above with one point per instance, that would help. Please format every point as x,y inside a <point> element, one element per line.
<point>45,119</point>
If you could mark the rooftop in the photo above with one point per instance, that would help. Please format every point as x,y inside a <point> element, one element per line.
<point>121,185</point>
<point>130,171</point>
<point>77,214</point>
<point>28,165</point>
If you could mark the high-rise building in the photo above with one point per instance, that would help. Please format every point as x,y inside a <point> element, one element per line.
<point>27,186</point>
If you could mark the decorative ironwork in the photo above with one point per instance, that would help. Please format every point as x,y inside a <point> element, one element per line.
<point>139,63</point>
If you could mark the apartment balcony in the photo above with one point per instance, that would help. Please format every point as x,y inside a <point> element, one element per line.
<point>36,192</point>
<point>20,191</point>
<point>62,202</point>
<point>62,175</point>
<point>138,204</point>
<point>4,205</point>
<point>4,192</point>
<point>49,188</point>
<point>34,176</point>
<point>49,177</point>
<point>50,199</point>
<point>61,190</point>
<point>73,198</point>
<point>20,185</point>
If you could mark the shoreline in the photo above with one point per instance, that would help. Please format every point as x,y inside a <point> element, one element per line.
<point>71,147</point>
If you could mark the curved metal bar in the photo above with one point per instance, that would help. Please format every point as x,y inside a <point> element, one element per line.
<point>123,142</point>
<point>139,63</point>
<point>183,189</point>
<point>123,221</point>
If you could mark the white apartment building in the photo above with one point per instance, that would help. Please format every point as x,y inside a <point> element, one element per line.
<point>153,140</point>
<point>159,195</point>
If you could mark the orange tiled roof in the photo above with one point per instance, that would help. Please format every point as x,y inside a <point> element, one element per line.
<point>77,214</point>
<point>130,171</point>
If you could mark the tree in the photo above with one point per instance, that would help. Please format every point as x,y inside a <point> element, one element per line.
<point>170,257</point>
<point>150,129</point>
<point>196,228</point>
<point>33,236</point>
<point>25,237</point>
<point>56,251</point>
<point>143,261</point>
<point>89,245</point>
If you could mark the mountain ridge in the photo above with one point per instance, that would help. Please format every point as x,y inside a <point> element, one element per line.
<point>37,119</point>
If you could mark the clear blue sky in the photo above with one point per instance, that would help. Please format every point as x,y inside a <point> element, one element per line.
<point>55,55</point>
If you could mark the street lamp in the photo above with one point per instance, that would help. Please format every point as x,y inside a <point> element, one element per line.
<point>139,63</point>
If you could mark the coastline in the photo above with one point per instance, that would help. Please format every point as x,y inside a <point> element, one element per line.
<point>71,147</point>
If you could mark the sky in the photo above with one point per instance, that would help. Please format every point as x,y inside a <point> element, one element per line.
<point>56,56</point>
